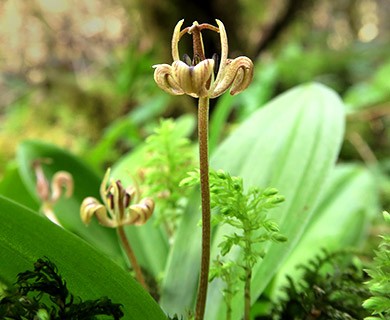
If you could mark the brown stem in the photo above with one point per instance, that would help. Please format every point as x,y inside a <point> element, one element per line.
<point>362,148</point>
<point>247,292</point>
<point>130,254</point>
<point>203,115</point>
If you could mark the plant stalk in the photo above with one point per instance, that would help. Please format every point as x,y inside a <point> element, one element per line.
<point>228,301</point>
<point>203,121</point>
<point>247,292</point>
<point>248,271</point>
<point>130,254</point>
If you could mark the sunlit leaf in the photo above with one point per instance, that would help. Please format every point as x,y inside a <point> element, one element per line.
<point>12,187</point>
<point>340,220</point>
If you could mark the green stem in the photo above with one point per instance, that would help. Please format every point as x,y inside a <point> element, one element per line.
<point>130,254</point>
<point>248,271</point>
<point>228,300</point>
<point>203,120</point>
<point>247,292</point>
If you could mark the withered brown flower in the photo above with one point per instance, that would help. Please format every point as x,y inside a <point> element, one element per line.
<point>118,209</point>
<point>197,79</point>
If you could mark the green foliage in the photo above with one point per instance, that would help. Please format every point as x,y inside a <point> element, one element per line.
<point>379,284</point>
<point>247,213</point>
<point>346,184</point>
<point>329,289</point>
<point>169,154</point>
<point>175,317</point>
<point>125,131</point>
<point>29,300</point>
<point>371,91</point>
<point>25,237</point>
<point>291,144</point>
<point>229,273</point>
<point>86,183</point>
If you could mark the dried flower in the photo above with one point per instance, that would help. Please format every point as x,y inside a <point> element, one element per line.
<point>50,192</point>
<point>118,209</point>
<point>196,77</point>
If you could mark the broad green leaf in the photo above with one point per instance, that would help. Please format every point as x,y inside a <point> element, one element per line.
<point>86,183</point>
<point>244,104</point>
<point>25,237</point>
<point>340,220</point>
<point>12,187</point>
<point>295,152</point>
<point>291,144</point>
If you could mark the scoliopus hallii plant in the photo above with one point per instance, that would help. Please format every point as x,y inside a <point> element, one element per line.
<point>195,77</point>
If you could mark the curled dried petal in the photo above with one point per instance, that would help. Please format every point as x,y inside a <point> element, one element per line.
<point>238,75</point>
<point>115,192</point>
<point>224,50</point>
<point>163,76</point>
<point>103,185</point>
<point>175,40</point>
<point>42,185</point>
<point>90,207</point>
<point>60,180</point>
<point>140,213</point>
<point>132,193</point>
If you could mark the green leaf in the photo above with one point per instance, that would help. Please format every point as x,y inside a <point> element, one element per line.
<point>25,237</point>
<point>219,118</point>
<point>340,220</point>
<point>127,128</point>
<point>290,144</point>
<point>12,187</point>
<point>86,183</point>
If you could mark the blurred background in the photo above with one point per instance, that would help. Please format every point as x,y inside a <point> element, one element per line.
<point>78,73</point>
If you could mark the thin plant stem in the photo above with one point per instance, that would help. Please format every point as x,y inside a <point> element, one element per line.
<point>203,117</point>
<point>130,254</point>
<point>228,301</point>
<point>247,292</point>
<point>248,271</point>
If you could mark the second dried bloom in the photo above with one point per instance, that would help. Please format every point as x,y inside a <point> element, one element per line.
<point>118,208</point>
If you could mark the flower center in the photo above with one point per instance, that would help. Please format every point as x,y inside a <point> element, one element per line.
<point>197,41</point>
